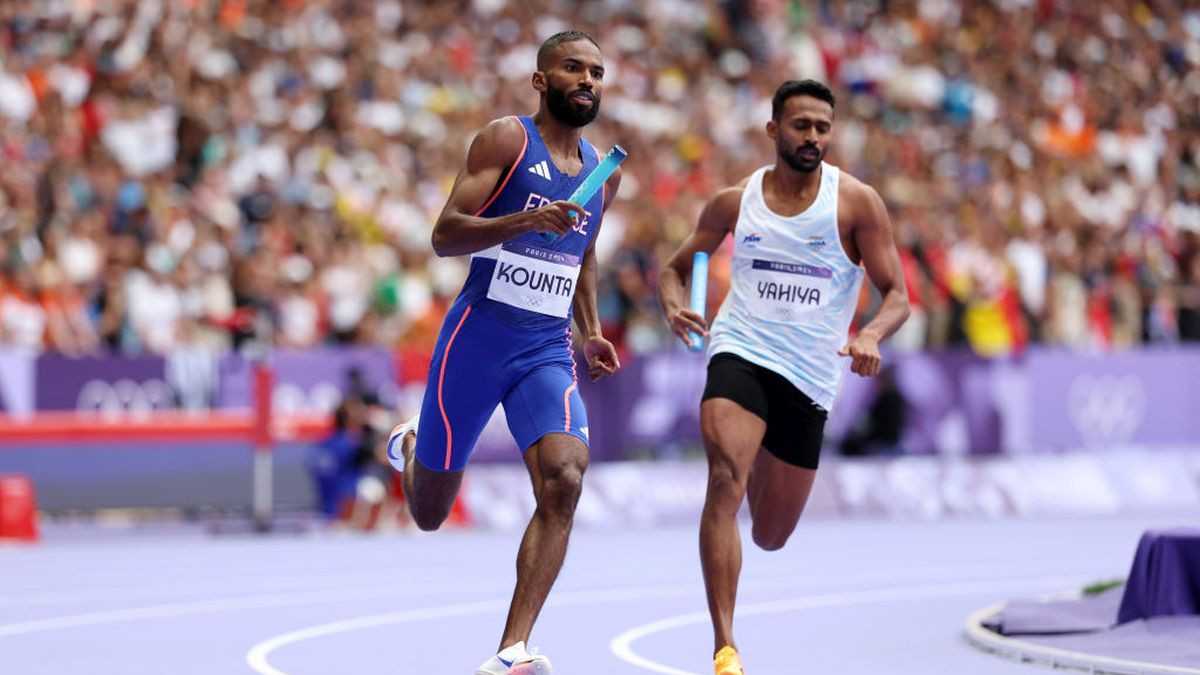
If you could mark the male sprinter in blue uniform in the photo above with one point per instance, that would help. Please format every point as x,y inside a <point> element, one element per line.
<point>803,234</point>
<point>507,339</point>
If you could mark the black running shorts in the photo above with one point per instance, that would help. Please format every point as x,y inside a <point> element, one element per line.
<point>795,425</point>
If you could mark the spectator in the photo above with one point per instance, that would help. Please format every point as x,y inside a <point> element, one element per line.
<point>336,462</point>
<point>22,317</point>
<point>1189,302</point>
<point>879,433</point>
<point>1041,191</point>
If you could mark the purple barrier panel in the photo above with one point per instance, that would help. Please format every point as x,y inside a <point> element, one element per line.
<point>853,399</point>
<point>957,403</point>
<point>605,403</point>
<point>109,383</point>
<point>950,404</point>
<point>651,407</point>
<point>1141,398</point>
<point>667,410</point>
<point>311,380</point>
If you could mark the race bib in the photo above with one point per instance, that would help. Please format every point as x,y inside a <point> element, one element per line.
<point>785,292</point>
<point>534,279</point>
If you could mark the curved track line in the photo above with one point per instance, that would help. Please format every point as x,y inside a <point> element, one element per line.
<point>622,645</point>
<point>257,657</point>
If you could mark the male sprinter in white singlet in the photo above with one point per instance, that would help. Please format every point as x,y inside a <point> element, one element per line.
<point>803,235</point>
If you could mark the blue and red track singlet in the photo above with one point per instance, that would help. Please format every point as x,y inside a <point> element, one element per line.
<point>507,339</point>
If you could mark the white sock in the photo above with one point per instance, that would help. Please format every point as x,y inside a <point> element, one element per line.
<point>512,652</point>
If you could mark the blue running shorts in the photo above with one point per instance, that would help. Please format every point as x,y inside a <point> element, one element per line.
<point>480,361</point>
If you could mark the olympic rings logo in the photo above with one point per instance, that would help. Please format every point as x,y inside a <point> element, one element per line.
<point>323,397</point>
<point>125,396</point>
<point>140,399</point>
<point>1107,408</point>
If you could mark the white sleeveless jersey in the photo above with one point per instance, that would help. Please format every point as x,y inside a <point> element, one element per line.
<point>793,291</point>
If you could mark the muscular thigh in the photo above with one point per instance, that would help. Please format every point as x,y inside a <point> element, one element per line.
<point>778,492</point>
<point>786,466</point>
<point>466,380</point>
<point>733,414</point>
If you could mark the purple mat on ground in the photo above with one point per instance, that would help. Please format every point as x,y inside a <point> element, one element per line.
<point>1165,577</point>
<point>1154,618</point>
<point>1081,615</point>
<point>1166,640</point>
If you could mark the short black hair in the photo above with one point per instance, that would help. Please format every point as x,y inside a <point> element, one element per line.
<point>543,55</point>
<point>800,88</point>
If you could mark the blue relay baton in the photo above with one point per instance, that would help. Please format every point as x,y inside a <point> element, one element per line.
<point>587,189</point>
<point>699,295</point>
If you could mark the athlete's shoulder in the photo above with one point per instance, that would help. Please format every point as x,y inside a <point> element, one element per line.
<point>858,201</point>
<point>729,198</point>
<point>733,193</point>
<point>721,211</point>
<point>851,187</point>
<point>508,127</point>
<point>498,143</point>
<point>741,184</point>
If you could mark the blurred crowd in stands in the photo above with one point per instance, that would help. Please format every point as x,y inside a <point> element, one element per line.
<point>215,173</point>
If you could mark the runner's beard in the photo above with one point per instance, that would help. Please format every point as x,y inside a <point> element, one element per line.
<point>558,101</point>
<point>799,162</point>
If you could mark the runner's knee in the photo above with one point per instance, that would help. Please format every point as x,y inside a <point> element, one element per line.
<point>427,516</point>
<point>562,484</point>
<point>725,487</point>
<point>770,537</point>
<point>431,497</point>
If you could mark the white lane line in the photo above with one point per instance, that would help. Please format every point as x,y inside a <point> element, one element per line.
<point>183,609</point>
<point>160,592</point>
<point>238,603</point>
<point>308,595</point>
<point>622,645</point>
<point>164,591</point>
<point>258,657</point>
